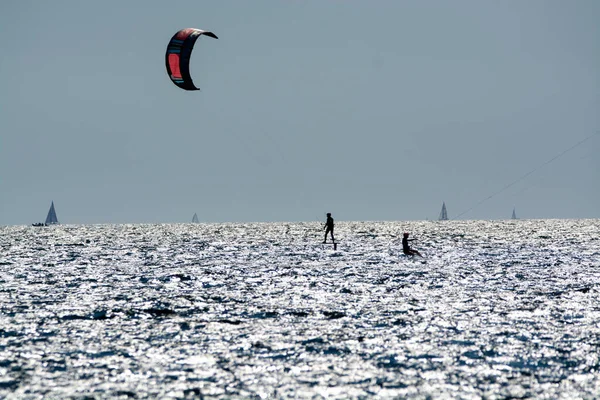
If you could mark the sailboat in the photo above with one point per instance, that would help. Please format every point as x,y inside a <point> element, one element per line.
<point>195,219</point>
<point>51,218</point>
<point>514,214</point>
<point>443,213</point>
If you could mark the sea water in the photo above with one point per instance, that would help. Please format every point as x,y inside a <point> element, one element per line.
<point>495,309</point>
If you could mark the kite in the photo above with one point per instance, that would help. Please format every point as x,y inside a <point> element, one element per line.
<point>178,55</point>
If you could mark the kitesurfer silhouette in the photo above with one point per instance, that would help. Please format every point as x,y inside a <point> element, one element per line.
<point>406,248</point>
<point>329,228</point>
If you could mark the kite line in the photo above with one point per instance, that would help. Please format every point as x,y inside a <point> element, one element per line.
<point>529,173</point>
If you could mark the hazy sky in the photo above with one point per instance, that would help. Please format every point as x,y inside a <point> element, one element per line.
<point>371,110</point>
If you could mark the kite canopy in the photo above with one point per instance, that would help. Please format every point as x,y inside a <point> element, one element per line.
<point>178,55</point>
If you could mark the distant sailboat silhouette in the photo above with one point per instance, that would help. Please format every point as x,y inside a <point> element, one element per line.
<point>195,219</point>
<point>443,213</point>
<point>50,218</point>
<point>514,214</point>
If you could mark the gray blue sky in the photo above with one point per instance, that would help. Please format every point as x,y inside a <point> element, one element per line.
<point>369,110</point>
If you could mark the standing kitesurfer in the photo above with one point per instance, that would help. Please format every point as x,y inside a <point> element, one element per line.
<point>406,248</point>
<point>329,228</point>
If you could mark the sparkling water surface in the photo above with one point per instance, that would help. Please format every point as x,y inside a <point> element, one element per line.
<point>496,309</point>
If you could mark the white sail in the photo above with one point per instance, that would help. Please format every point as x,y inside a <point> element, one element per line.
<point>195,219</point>
<point>443,213</point>
<point>51,217</point>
